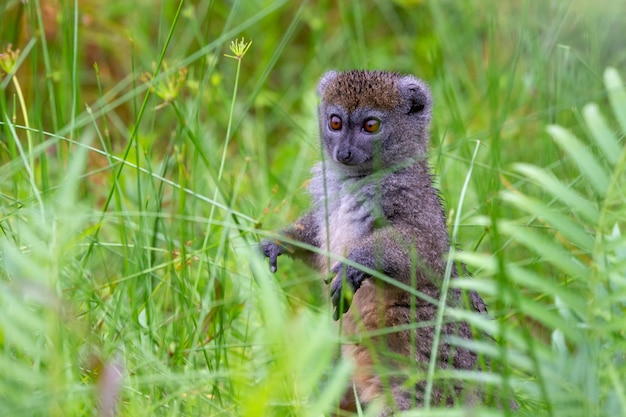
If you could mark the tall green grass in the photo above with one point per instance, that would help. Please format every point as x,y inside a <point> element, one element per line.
<point>139,166</point>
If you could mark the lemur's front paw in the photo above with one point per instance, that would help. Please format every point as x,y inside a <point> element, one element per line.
<point>272,250</point>
<point>341,297</point>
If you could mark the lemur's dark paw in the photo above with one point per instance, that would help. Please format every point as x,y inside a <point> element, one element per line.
<point>272,250</point>
<point>341,297</point>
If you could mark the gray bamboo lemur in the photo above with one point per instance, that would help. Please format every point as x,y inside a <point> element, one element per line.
<point>374,204</point>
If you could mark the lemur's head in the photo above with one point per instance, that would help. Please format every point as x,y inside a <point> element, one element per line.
<point>373,119</point>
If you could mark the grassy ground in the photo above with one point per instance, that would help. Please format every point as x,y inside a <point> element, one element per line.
<point>139,165</point>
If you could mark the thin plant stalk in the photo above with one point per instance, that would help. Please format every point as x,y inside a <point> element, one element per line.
<point>446,283</point>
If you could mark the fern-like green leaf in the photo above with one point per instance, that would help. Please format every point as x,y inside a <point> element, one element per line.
<point>575,201</point>
<point>548,250</point>
<point>580,374</point>
<point>617,95</point>
<point>601,133</point>
<point>571,230</point>
<point>594,172</point>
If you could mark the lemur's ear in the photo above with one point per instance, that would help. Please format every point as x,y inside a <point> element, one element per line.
<point>326,79</point>
<point>416,93</point>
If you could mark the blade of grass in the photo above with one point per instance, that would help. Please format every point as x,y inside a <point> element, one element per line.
<point>442,302</point>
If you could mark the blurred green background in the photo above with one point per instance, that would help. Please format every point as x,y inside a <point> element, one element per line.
<point>139,166</point>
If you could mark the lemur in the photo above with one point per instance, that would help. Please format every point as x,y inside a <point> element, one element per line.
<point>374,204</point>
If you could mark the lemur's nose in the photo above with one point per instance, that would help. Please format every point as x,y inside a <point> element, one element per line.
<point>344,155</point>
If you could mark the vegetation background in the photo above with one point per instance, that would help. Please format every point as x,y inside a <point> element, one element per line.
<point>139,165</point>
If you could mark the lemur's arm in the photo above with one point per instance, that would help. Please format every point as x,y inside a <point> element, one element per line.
<point>388,250</point>
<point>303,230</point>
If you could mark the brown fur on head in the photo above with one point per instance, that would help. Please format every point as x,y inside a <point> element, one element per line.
<point>358,88</point>
<point>401,104</point>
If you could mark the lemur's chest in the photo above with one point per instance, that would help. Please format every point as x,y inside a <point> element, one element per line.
<point>345,220</point>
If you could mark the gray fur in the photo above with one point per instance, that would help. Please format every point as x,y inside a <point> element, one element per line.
<point>373,193</point>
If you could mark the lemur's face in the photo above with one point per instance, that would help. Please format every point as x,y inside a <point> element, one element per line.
<point>371,119</point>
<point>352,139</point>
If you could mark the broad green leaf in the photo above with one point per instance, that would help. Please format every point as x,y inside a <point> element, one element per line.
<point>482,286</point>
<point>529,279</point>
<point>563,225</point>
<point>577,203</point>
<point>527,306</point>
<point>609,243</point>
<point>523,277</point>
<point>601,133</point>
<point>548,250</point>
<point>614,206</point>
<point>450,412</point>
<point>550,319</point>
<point>593,171</point>
<point>514,339</point>
<point>609,269</point>
<point>617,95</point>
<point>492,350</point>
<point>476,260</point>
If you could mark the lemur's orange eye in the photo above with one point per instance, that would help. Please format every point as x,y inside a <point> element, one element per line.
<point>335,122</point>
<point>371,125</point>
